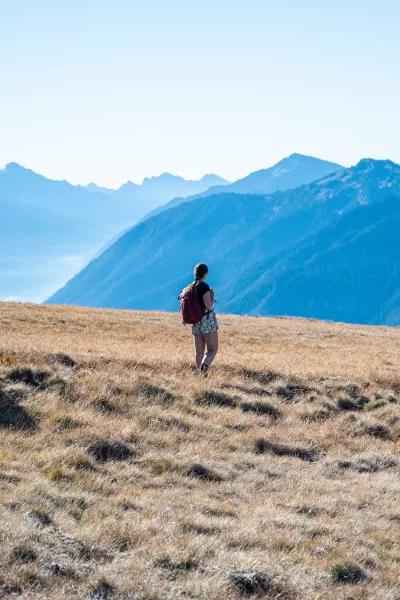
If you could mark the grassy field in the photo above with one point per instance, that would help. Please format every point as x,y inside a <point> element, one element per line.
<point>125,475</point>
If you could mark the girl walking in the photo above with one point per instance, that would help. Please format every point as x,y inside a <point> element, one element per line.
<point>205,333</point>
<point>197,306</point>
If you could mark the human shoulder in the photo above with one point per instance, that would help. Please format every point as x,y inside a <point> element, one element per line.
<point>203,288</point>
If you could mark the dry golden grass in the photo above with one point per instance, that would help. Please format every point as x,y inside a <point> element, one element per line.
<point>125,475</point>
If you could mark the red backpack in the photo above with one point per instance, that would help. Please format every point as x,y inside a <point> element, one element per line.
<point>190,306</point>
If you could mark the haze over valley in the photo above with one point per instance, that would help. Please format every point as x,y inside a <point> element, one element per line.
<point>51,229</point>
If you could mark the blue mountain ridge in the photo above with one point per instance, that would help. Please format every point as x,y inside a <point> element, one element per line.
<point>289,173</point>
<point>252,242</point>
<point>161,188</point>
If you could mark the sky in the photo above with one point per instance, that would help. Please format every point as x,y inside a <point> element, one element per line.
<point>106,91</point>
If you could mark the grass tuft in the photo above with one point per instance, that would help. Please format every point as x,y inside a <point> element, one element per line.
<point>64,422</point>
<point>103,406</point>
<point>262,377</point>
<point>368,464</point>
<point>376,430</point>
<point>13,416</point>
<point>160,466</point>
<point>214,398</point>
<point>389,398</point>
<point>149,391</point>
<point>63,359</point>
<point>346,573</point>
<point>288,392</point>
<point>262,446</point>
<point>202,473</point>
<point>101,590</point>
<point>183,563</point>
<point>352,403</point>
<point>168,422</point>
<point>57,474</point>
<point>317,415</point>
<point>59,570</point>
<point>81,462</point>
<point>395,518</point>
<point>40,517</point>
<point>53,381</point>
<point>249,583</point>
<point>261,408</point>
<point>24,554</point>
<point>374,404</point>
<point>34,378</point>
<point>103,450</point>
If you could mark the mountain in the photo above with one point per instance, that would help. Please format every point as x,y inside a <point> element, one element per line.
<point>289,173</point>
<point>23,186</point>
<point>245,238</point>
<point>162,188</point>
<point>51,229</point>
<point>348,271</point>
<point>92,204</point>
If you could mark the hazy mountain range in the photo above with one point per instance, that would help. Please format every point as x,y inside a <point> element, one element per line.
<point>155,190</point>
<point>327,249</point>
<point>51,229</point>
<point>289,173</point>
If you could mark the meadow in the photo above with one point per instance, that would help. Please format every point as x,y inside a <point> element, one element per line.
<point>124,474</point>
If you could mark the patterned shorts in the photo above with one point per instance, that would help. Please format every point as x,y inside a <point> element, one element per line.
<point>208,324</point>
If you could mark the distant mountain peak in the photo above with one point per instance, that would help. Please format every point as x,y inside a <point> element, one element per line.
<point>161,178</point>
<point>213,177</point>
<point>372,163</point>
<point>129,183</point>
<point>304,159</point>
<point>290,172</point>
<point>166,177</point>
<point>366,163</point>
<point>18,171</point>
<point>14,166</point>
<point>298,155</point>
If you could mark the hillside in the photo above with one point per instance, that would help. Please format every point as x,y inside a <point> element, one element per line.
<point>251,241</point>
<point>348,271</point>
<point>124,475</point>
<point>289,173</point>
<point>51,229</point>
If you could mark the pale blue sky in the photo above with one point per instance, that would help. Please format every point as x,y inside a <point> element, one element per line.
<point>105,91</point>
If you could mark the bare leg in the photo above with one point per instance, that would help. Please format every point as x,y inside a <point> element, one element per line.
<point>200,347</point>
<point>211,340</point>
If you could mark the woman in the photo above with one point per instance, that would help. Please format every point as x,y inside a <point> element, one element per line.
<point>205,333</point>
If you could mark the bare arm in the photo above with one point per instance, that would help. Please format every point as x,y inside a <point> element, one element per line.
<point>208,300</point>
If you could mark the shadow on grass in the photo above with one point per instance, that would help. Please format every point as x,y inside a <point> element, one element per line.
<point>13,416</point>
<point>214,398</point>
<point>261,408</point>
<point>262,446</point>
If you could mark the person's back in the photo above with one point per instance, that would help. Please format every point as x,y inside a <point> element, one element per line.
<point>205,331</point>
